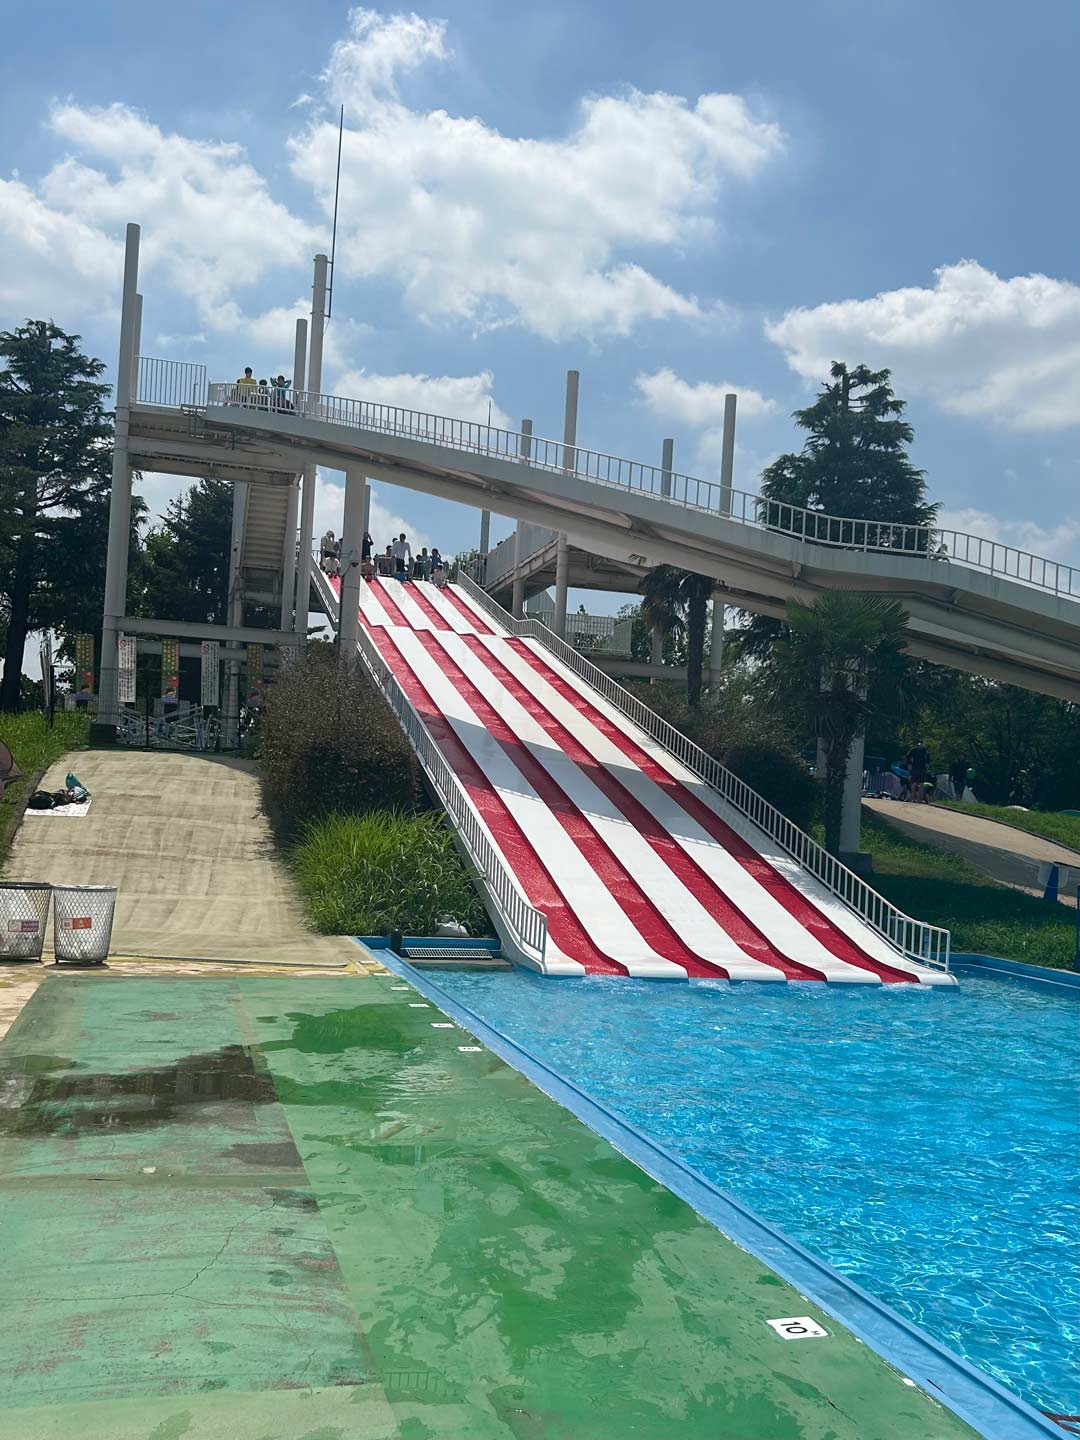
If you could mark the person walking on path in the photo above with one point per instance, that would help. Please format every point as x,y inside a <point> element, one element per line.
<point>918,762</point>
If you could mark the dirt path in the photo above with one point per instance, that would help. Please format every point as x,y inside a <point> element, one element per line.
<point>184,839</point>
<point>1007,855</point>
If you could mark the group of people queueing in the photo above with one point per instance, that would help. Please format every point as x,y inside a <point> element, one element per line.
<point>397,560</point>
<point>272,394</point>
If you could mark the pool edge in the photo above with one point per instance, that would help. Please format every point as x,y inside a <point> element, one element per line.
<point>991,1409</point>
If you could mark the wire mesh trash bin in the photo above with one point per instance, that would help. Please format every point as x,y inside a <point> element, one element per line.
<point>82,923</point>
<point>24,913</point>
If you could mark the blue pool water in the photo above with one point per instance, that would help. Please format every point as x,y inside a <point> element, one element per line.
<point>924,1142</point>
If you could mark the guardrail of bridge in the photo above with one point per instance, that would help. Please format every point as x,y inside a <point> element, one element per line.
<point>927,944</point>
<point>524,922</point>
<point>880,537</point>
<point>176,383</point>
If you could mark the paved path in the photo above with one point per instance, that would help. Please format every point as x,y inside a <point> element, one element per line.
<point>185,840</point>
<point>1007,855</point>
<point>296,1209</point>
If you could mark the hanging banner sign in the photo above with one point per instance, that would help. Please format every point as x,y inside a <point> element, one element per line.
<point>84,656</point>
<point>170,670</point>
<point>126,650</point>
<point>255,663</point>
<point>210,679</point>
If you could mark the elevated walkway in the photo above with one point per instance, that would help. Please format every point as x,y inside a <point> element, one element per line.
<point>973,603</point>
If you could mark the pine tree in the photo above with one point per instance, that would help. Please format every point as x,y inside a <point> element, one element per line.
<point>55,460</point>
<point>187,557</point>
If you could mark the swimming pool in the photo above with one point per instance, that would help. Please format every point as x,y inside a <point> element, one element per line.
<point>924,1142</point>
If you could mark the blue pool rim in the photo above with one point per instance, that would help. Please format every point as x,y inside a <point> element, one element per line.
<point>992,1410</point>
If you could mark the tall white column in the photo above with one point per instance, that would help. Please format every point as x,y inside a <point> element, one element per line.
<point>666,461</point>
<point>292,515</point>
<point>562,548</point>
<point>116,555</point>
<point>367,509</point>
<point>352,534</point>
<point>231,719</point>
<point>136,349</point>
<point>485,532</point>
<point>851,812</point>
<point>727,453</point>
<point>307,497</point>
<point>517,604</point>
<point>716,638</point>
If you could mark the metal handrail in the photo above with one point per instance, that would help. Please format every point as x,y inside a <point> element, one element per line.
<point>928,944</point>
<point>169,382</point>
<point>934,544</point>
<point>527,924</point>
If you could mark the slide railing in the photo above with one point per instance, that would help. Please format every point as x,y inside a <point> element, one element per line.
<point>526,924</point>
<point>882,537</point>
<point>928,944</point>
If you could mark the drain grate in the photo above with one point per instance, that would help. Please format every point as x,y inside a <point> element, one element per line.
<point>446,952</point>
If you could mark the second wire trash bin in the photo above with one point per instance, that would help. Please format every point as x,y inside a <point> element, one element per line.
<point>82,923</point>
<point>24,913</point>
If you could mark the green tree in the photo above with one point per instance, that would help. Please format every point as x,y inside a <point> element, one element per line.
<point>55,466</point>
<point>676,601</point>
<point>835,657</point>
<point>187,556</point>
<point>854,461</point>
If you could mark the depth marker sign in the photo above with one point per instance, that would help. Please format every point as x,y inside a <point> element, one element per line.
<point>797,1327</point>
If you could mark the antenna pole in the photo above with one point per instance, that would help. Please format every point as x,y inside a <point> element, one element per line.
<point>333,237</point>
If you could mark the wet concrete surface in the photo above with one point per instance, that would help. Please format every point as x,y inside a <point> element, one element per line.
<point>279,1208</point>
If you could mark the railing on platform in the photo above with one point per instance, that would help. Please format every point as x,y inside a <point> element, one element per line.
<point>524,922</point>
<point>927,944</point>
<point>934,544</point>
<point>174,383</point>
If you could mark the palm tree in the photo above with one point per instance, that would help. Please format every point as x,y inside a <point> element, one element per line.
<point>832,668</point>
<point>675,600</point>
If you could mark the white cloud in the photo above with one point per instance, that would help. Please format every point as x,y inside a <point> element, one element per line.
<point>1056,542</point>
<point>480,226</point>
<point>52,262</point>
<point>461,397</point>
<point>386,524</point>
<point>976,345</point>
<point>700,403</point>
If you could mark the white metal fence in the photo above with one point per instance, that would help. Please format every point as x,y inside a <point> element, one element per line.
<point>174,383</point>
<point>928,944</point>
<point>929,543</point>
<point>524,922</point>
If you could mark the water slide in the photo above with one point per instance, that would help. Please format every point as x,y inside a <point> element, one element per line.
<point>641,869</point>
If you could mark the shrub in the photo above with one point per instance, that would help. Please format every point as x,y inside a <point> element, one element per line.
<point>780,778</point>
<point>370,874</point>
<point>328,741</point>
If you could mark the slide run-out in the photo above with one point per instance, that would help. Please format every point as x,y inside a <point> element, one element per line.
<point>640,868</point>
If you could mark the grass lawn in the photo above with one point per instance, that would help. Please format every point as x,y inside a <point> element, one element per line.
<point>35,746</point>
<point>984,917</point>
<point>1047,823</point>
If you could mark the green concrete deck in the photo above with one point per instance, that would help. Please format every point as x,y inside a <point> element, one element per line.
<point>291,1208</point>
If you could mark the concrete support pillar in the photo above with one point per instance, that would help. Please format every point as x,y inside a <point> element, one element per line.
<point>562,549</point>
<point>517,604</point>
<point>136,349</point>
<point>116,558</point>
<point>352,534</point>
<point>230,728</point>
<point>307,497</point>
<point>716,638</point>
<point>851,813</point>
<point>288,552</point>
<point>727,453</point>
<point>485,532</point>
<point>367,509</point>
<point>667,457</point>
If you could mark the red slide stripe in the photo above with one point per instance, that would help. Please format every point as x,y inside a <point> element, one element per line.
<point>536,880</point>
<point>650,924</point>
<point>393,610</point>
<point>437,618</point>
<point>702,886</point>
<point>809,916</point>
<point>483,622</point>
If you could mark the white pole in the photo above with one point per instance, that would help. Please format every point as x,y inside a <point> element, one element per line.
<point>367,509</point>
<point>231,720</point>
<point>120,492</point>
<point>351,536</point>
<point>727,454</point>
<point>562,548</point>
<point>288,553</point>
<point>307,499</point>
<point>485,532</point>
<point>851,808</point>
<point>517,604</point>
<point>666,461</point>
<point>136,349</point>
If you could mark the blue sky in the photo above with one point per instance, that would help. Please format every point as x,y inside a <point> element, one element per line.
<point>674,200</point>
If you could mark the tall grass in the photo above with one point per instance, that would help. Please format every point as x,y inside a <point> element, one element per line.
<point>370,874</point>
<point>35,746</point>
